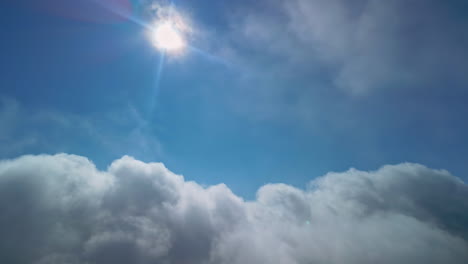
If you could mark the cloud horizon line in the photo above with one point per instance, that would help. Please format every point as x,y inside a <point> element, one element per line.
<point>62,209</point>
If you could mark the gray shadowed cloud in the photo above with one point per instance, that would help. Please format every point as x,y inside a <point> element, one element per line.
<point>363,45</point>
<point>61,209</point>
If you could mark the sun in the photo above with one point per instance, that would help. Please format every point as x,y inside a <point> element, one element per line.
<point>167,37</point>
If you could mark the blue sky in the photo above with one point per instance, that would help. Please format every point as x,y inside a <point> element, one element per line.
<point>272,91</point>
<point>233,132</point>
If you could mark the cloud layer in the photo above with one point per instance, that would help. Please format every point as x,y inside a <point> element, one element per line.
<point>61,209</point>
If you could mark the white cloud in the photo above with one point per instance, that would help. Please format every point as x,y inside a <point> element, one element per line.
<point>61,209</point>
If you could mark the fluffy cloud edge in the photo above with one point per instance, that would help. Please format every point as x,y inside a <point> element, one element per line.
<point>61,209</point>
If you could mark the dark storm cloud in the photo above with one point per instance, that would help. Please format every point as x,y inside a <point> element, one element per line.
<point>61,209</point>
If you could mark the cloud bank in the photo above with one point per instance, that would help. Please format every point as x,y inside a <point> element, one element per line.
<point>61,209</point>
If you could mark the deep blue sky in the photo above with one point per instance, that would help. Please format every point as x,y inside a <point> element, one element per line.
<point>277,92</point>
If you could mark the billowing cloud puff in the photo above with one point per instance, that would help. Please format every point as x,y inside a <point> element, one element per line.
<point>61,209</point>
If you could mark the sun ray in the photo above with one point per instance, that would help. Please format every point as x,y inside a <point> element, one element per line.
<point>123,13</point>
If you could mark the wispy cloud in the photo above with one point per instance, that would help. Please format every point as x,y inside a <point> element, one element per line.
<point>365,45</point>
<point>114,132</point>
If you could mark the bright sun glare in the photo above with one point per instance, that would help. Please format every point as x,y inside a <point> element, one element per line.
<point>166,37</point>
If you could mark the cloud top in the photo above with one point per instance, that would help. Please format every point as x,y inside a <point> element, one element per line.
<point>61,209</point>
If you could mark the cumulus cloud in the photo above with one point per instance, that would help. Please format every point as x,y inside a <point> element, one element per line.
<point>61,209</point>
